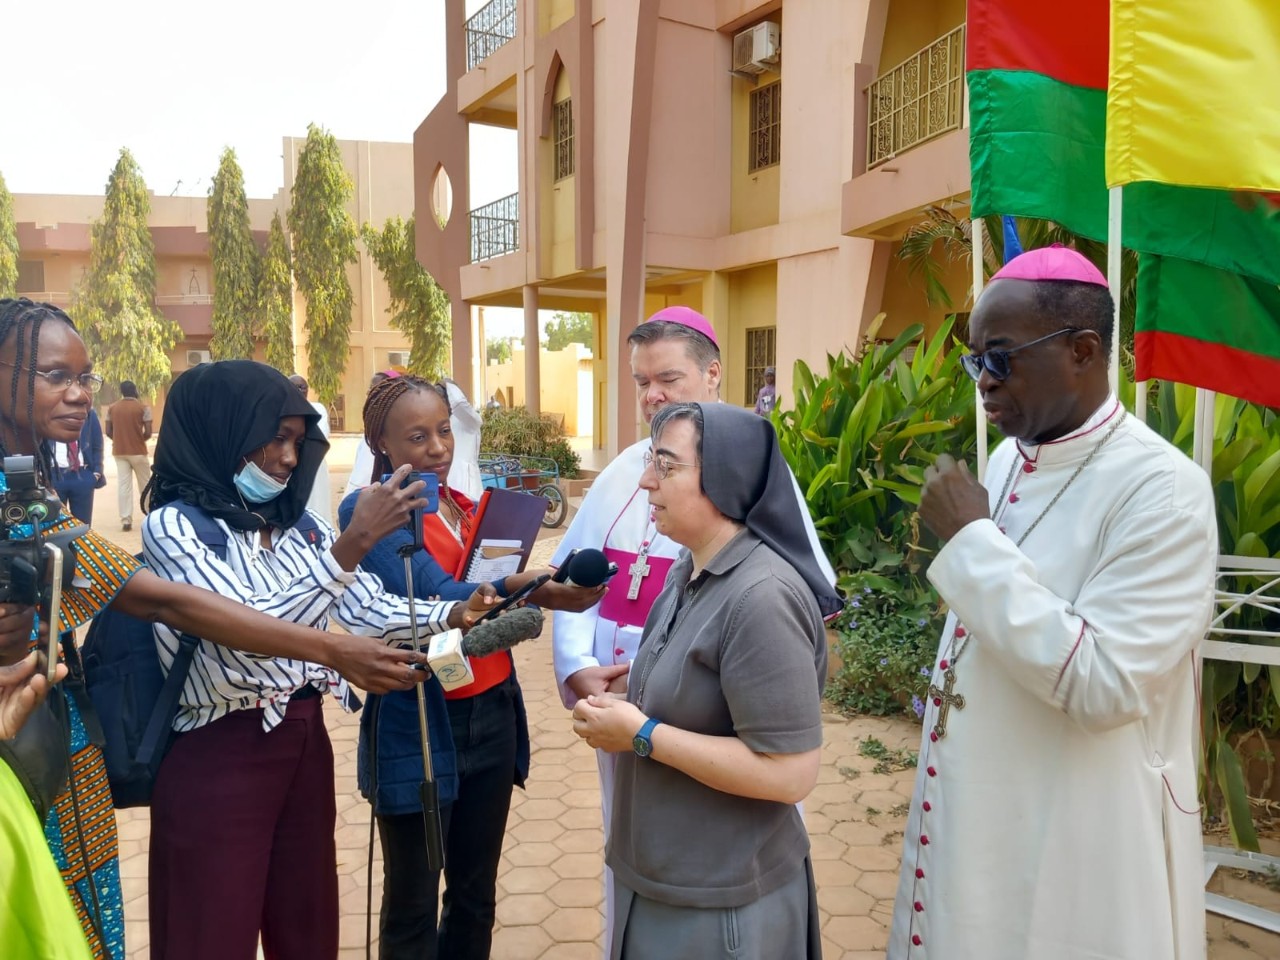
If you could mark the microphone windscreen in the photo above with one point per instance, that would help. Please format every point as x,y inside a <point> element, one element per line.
<point>588,568</point>
<point>502,632</point>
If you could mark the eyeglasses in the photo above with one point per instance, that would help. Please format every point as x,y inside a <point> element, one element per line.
<point>662,464</point>
<point>63,379</point>
<point>996,362</point>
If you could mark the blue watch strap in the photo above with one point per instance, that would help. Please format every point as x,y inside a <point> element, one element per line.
<point>641,743</point>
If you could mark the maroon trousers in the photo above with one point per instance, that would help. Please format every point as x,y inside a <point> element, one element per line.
<point>242,841</point>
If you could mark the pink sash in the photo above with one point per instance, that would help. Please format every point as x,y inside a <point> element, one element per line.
<point>632,613</point>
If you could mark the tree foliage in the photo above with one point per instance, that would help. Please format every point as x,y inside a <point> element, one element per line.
<point>567,328</point>
<point>324,242</point>
<point>114,306</point>
<point>419,307</point>
<point>8,243</point>
<point>235,263</point>
<point>275,299</point>
<point>497,350</point>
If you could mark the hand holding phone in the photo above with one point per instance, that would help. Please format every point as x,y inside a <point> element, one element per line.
<point>430,493</point>
<point>515,597</point>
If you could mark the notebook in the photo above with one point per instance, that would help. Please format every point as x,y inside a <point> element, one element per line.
<point>502,536</point>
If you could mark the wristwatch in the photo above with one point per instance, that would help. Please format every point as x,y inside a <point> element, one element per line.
<point>642,743</point>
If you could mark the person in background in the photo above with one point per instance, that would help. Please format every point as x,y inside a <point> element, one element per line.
<point>719,735</point>
<point>464,475</point>
<point>77,469</point>
<point>479,734</point>
<point>767,397</point>
<point>128,424</point>
<point>320,502</point>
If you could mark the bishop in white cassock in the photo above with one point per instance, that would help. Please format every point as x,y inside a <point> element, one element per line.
<point>1055,811</point>
<point>674,358</point>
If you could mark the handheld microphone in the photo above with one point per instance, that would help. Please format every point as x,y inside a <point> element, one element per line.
<point>585,568</point>
<point>449,653</point>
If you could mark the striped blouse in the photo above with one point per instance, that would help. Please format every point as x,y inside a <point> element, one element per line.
<point>296,581</point>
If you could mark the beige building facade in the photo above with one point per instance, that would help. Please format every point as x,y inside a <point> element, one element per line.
<point>54,246</point>
<point>737,157</point>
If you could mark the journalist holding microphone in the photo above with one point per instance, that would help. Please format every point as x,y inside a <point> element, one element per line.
<point>479,734</point>
<point>720,730</point>
<point>243,814</point>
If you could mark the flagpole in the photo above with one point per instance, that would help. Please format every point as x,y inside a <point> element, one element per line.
<point>979,277</point>
<point>1115,246</point>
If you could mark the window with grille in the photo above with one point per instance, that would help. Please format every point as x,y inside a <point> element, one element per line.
<point>562,130</point>
<point>30,276</point>
<point>760,354</point>
<point>766,127</point>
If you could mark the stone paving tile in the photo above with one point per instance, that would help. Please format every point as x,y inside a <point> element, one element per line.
<point>550,895</point>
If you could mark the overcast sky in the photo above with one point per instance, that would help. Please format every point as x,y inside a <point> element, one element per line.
<point>178,82</point>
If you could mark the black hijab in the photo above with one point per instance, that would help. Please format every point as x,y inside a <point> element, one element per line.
<point>215,415</point>
<point>745,476</point>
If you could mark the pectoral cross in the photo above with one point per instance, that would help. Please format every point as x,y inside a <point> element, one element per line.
<point>944,699</point>
<point>638,570</point>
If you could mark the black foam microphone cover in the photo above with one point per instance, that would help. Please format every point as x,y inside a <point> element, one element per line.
<point>587,568</point>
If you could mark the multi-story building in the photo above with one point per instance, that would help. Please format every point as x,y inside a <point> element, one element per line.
<point>758,161</point>
<point>54,243</point>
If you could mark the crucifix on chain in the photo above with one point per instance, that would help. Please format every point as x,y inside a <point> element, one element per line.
<point>638,570</point>
<point>945,698</point>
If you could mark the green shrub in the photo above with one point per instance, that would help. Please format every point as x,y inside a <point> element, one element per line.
<point>886,646</point>
<point>517,432</point>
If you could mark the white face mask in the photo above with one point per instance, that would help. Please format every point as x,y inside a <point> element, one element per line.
<point>256,486</point>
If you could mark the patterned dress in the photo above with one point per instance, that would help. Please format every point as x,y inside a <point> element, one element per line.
<point>89,858</point>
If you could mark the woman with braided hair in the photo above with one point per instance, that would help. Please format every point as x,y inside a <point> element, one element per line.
<point>479,735</point>
<point>46,389</point>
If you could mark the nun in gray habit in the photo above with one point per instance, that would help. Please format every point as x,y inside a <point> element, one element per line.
<point>720,729</point>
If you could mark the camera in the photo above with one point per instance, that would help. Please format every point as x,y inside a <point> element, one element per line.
<point>34,567</point>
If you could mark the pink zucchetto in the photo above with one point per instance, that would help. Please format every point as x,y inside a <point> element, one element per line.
<point>686,317</point>
<point>1051,263</point>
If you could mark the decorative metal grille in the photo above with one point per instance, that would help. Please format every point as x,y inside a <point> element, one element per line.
<point>760,354</point>
<point>766,127</point>
<point>919,99</point>
<point>562,131</point>
<point>495,228</point>
<point>492,26</point>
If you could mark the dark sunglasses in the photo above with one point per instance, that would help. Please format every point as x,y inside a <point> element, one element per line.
<point>996,362</point>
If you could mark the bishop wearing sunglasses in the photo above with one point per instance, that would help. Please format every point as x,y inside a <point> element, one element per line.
<point>1055,811</point>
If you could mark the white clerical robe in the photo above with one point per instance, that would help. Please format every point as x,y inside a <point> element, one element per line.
<point>1056,816</point>
<point>321,500</point>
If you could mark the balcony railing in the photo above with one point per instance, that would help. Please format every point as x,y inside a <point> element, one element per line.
<point>179,299</point>
<point>495,228</point>
<point>488,29</point>
<point>919,99</point>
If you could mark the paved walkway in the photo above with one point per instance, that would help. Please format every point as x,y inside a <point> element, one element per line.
<point>550,903</point>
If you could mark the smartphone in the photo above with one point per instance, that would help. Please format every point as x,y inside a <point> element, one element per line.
<point>430,493</point>
<point>515,598</point>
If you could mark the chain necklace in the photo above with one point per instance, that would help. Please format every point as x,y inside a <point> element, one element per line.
<point>1002,502</point>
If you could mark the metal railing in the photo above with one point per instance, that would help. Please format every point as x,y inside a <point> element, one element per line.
<point>178,299</point>
<point>488,29</point>
<point>919,99</point>
<point>495,228</point>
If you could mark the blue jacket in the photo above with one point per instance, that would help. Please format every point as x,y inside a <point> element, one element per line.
<point>393,717</point>
<point>90,446</point>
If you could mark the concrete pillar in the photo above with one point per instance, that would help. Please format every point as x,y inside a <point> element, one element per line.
<point>532,369</point>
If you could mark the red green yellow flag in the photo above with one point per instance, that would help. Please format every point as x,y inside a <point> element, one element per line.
<point>1038,89</point>
<point>1194,93</point>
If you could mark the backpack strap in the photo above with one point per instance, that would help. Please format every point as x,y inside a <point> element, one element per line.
<point>156,737</point>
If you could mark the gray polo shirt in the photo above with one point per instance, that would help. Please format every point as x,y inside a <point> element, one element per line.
<point>739,651</point>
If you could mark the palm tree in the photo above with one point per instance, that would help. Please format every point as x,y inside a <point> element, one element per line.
<point>955,235</point>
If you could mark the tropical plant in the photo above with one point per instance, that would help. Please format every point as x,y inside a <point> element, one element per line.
<point>419,307</point>
<point>497,350</point>
<point>275,299</point>
<point>941,237</point>
<point>518,433</point>
<point>114,305</point>
<point>324,242</point>
<point>235,261</point>
<point>8,243</point>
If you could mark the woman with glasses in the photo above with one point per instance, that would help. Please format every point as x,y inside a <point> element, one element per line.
<point>41,404</point>
<point>720,730</point>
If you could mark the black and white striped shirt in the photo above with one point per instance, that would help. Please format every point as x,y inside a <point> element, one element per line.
<point>295,581</point>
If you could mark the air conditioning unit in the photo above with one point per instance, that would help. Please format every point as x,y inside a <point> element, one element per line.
<point>757,48</point>
<point>197,357</point>
<point>398,358</point>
